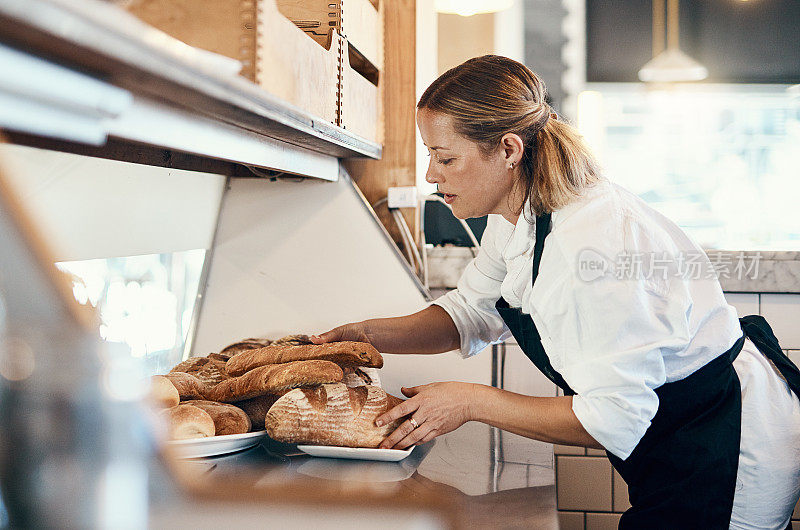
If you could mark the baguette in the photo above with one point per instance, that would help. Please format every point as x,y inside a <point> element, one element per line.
<point>228,419</point>
<point>347,353</point>
<point>187,385</point>
<point>332,415</point>
<point>273,378</point>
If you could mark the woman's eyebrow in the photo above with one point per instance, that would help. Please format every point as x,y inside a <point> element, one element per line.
<point>439,147</point>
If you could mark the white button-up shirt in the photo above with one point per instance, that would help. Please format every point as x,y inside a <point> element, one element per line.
<point>624,302</point>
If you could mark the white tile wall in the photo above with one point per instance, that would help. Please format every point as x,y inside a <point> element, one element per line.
<point>602,521</point>
<point>745,303</point>
<point>522,376</point>
<point>571,520</point>
<point>794,356</point>
<point>568,450</point>
<point>782,311</point>
<point>621,502</point>
<point>583,483</point>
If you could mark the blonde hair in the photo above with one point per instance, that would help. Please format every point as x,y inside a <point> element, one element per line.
<point>490,96</point>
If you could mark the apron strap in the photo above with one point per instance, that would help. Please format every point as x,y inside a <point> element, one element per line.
<point>542,229</point>
<point>756,328</point>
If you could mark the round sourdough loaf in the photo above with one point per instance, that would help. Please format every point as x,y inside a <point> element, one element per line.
<point>331,414</point>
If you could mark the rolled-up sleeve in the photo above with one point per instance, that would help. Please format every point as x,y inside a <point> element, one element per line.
<point>609,337</point>
<point>472,304</point>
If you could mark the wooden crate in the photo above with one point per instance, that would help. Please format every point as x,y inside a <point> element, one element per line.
<point>360,24</point>
<point>359,21</point>
<point>275,53</point>
<point>361,99</point>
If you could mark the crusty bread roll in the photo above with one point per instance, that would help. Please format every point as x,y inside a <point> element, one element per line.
<point>163,393</point>
<point>208,371</point>
<point>187,421</point>
<point>188,386</point>
<point>331,415</point>
<point>256,408</point>
<point>228,419</point>
<point>275,377</point>
<point>346,353</point>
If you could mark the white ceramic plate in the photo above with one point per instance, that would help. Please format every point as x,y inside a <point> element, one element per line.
<point>214,445</point>
<point>356,453</point>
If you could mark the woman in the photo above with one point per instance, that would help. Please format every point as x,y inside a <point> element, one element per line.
<point>653,362</point>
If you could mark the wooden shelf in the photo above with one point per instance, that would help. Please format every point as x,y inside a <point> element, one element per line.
<point>138,61</point>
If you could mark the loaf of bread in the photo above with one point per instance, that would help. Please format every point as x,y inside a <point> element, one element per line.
<point>245,344</point>
<point>228,419</point>
<point>256,408</point>
<point>187,421</point>
<point>273,378</point>
<point>293,340</point>
<point>332,415</point>
<point>354,376</point>
<point>208,371</point>
<point>187,385</point>
<point>345,353</point>
<point>163,393</point>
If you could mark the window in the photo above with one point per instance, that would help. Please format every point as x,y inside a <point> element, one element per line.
<point>146,302</point>
<point>719,160</point>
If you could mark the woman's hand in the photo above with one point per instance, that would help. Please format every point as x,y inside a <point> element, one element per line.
<point>437,408</point>
<point>356,331</point>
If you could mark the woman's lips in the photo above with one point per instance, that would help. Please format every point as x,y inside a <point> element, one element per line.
<point>449,198</point>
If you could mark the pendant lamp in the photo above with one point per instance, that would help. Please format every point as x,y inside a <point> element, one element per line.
<point>467,8</point>
<point>669,65</point>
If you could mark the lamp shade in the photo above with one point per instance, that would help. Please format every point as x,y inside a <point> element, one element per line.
<point>670,66</point>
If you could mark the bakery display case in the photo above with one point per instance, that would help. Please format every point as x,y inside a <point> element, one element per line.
<point>155,199</point>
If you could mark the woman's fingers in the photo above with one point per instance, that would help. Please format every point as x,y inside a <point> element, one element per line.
<point>403,409</point>
<point>333,335</point>
<point>432,433</point>
<point>400,433</point>
<point>410,391</point>
<point>414,436</point>
<point>355,332</point>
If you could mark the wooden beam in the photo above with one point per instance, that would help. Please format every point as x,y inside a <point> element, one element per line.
<point>398,165</point>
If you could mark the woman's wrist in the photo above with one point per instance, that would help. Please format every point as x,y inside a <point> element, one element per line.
<point>479,402</point>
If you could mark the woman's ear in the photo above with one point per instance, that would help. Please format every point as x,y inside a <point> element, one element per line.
<point>513,148</point>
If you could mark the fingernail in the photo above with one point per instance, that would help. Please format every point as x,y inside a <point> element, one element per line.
<point>379,423</point>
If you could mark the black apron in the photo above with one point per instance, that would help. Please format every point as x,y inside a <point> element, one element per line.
<point>682,473</point>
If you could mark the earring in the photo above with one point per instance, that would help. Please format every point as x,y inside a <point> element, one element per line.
<point>511,165</point>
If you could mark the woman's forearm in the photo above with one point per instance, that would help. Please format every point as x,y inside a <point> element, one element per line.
<point>428,331</point>
<point>549,419</point>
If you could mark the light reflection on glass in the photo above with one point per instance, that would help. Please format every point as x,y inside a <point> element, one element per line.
<point>719,161</point>
<point>145,302</point>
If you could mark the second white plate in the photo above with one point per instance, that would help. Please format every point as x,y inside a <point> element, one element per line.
<point>356,453</point>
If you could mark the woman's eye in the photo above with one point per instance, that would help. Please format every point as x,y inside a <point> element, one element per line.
<point>445,161</point>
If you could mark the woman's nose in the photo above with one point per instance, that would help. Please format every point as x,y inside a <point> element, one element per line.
<point>431,176</point>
